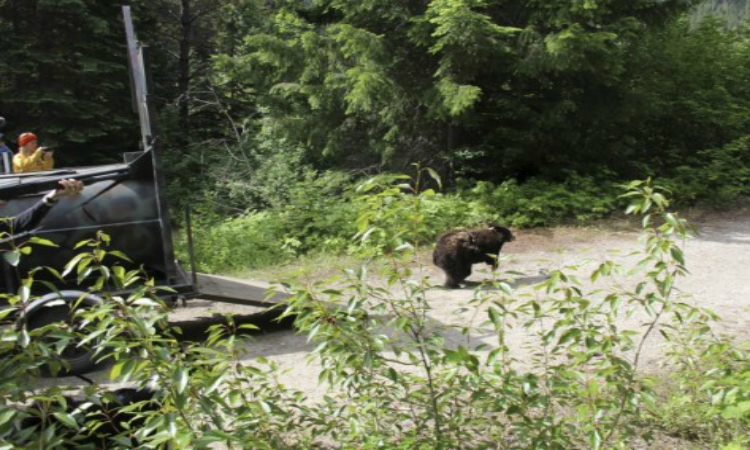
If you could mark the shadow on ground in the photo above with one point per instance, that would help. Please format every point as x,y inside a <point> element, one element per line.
<point>197,329</point>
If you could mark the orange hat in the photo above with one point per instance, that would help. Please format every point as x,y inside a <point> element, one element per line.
<point>25,138</point>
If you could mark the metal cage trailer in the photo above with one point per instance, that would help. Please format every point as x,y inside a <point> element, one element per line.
<point>127,202</point>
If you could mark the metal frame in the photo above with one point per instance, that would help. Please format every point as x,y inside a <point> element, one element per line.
<point>145,171</point>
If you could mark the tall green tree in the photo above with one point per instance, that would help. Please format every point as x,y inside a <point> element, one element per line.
<point>487,88</point>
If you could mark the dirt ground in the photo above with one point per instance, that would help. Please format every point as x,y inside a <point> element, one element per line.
<point>718,259</point>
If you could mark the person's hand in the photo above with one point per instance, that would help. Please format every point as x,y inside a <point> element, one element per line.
<point>68,187</point>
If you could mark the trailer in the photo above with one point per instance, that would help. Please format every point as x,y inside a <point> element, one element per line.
<point>127,202</point>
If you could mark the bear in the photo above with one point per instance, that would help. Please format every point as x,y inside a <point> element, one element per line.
<point>457,250</point>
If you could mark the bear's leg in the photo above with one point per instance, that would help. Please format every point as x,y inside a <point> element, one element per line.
<point>458,273</point>
<point>451,282</point>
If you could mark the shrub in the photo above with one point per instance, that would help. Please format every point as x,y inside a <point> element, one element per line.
<point>538,202</point>
<point>315,217</point>
<point>249,241</point>
<point>718,177</point>
<point>319,213</point>
<point>707,394</point>
<point>578,386</point>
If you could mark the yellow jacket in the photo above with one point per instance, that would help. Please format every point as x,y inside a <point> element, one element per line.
<point>33,163</point>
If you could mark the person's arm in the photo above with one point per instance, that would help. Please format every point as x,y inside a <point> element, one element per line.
<point>30,218</point>
<point>27,220</point>
<point>49,161</point>
<point>22,163</point>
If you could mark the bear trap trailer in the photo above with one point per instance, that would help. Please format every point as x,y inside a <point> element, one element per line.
<point>127,202</point>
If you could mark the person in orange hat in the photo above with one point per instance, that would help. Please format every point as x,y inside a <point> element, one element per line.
<point>31,157</point>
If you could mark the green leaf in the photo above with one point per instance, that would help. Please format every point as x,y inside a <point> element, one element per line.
<point>181,378</point>
<point>12,257</point>
<point>435,176</point>
<point>737,411</point>
<point>569,335</point>
<point>458,98</point>
<point>119,254</point>
<point>39,241</point>
<point>67,420</point>
<point>145,301</point>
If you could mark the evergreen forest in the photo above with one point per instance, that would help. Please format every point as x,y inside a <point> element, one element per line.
<point>533,110</point>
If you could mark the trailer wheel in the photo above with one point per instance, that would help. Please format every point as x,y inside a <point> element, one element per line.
<point>49,310</point>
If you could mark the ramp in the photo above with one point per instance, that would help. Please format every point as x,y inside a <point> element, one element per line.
<point>241,292</point>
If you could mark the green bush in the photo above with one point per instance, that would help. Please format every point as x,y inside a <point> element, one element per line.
<point>537,202</point>
<point>707,395</point>
<point>578,384</point>
<point>319,214</point>
<point>314,216</point>
<point>322,212</point>
<point>249,241</point>
<point>718,177</point>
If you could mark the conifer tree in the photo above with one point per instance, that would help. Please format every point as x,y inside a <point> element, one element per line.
<point>487,87</point>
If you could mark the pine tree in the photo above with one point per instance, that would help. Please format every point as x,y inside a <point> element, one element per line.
<point>487,87</point>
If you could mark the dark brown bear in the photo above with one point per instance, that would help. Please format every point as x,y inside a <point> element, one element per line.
<point>456,251</point>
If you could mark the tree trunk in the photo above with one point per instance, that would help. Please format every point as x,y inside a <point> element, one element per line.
<point>183,79</point>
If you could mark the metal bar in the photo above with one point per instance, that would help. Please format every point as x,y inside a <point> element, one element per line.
<point>236,301</point>
<point>91,227</point>
<point>226,289</point>
<point>35,186</point>
<point>137,66</point>
<point>159,180</point>
<point>138,56</point>
<point>7,166</point>
<point>191,249</point>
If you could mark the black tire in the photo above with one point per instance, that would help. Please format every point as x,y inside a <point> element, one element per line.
<point>81,359</point>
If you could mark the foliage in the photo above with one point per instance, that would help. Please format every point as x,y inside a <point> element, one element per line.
<point>541,203</point>
<point>388,203</point>
<point>320,212</point>
<point>523,83</point>
<point>255,175</point>
<point>706,397</point>
<point>249,91</point>
<point>248,241</point>
<point>202,394</point>
<point>717,177</point>
<point>394,376</point>
<point>314,215</point>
